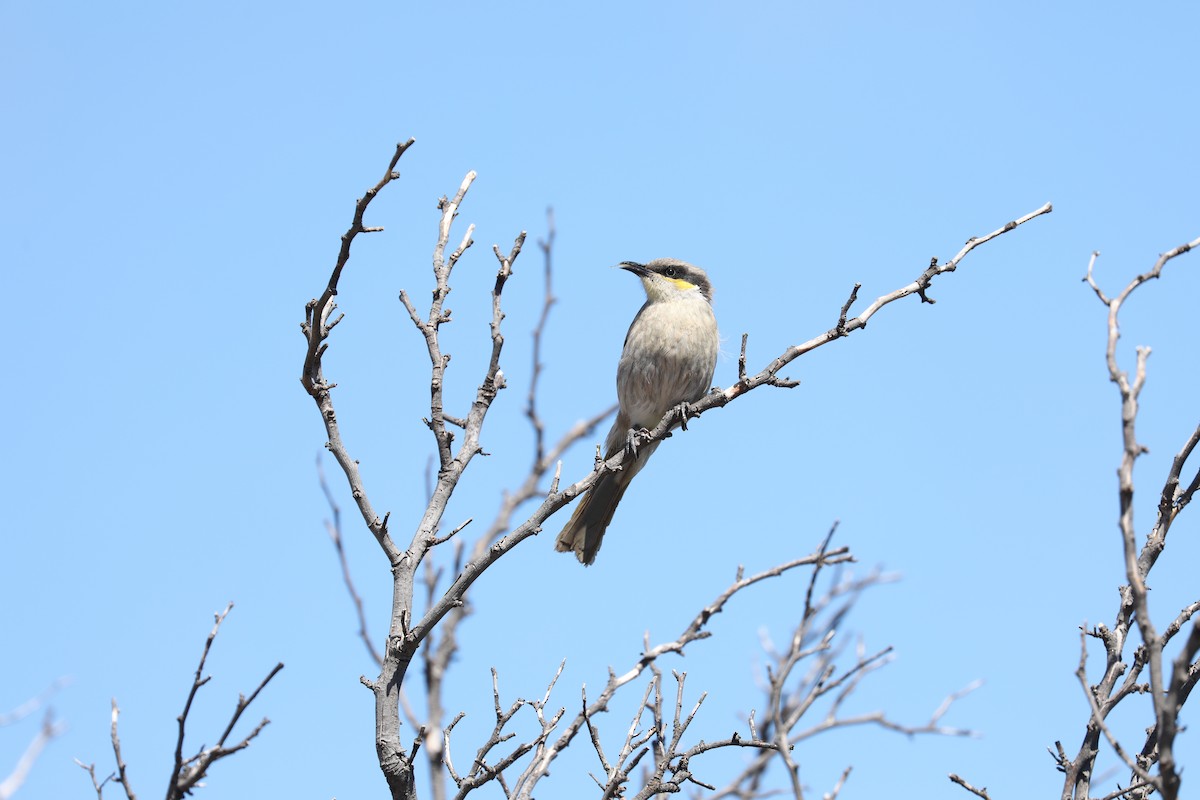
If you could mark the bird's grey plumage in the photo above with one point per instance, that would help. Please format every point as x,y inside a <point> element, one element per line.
<point>669,357</point>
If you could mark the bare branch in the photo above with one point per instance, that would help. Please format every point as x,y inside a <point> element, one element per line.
<point>1091,280</point>
<point>548,300</point>
<point>97,786</point>
<point>716,399</point>
<point>437,655</point>
<point>32,704</point>
<point>403,637</point>
<point>977,792</point>
<point>122,774</point>
<point>481,771</point>
<point>695,630</point>
<point>815,643</point>
<point>767,376</point>
<point>1173,499</point>
<point>1136,786</point>
<point>742,359</point>
<point>430,327</point>
<point>1098,715</point>
<point>334,528</point>
<point>841,323</point>
<point>1167,695</point>
<point>316,329</point>
<point>1185,672</point>
<point>407,629</point>
<point>837,787</point>
<point>189,772</point>
<point>197,682</point>
<point>48,731</point>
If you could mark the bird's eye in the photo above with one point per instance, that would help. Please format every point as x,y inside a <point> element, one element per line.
<point>669,272</point>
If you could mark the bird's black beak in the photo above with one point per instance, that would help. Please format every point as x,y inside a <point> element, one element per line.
<point>634,267</point>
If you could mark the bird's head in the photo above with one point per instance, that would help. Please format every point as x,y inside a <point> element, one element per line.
<point>670,279</point>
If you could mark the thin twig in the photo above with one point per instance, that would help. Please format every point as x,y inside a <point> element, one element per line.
<point>48,731</point>
<point>977,792</point>
<point>548,300</point>
<point>188,773</point>
<point>32,704</point>
<point>122,774</point>
<point>334,527</point>
<point>695,630</point>
<point>97,786</point>
<point>1134,609</point>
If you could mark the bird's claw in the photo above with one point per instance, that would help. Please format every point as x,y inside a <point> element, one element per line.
<point>631,442</point>
<point>684,410</point>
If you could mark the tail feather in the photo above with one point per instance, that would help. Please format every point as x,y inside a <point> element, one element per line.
<point>584,532</point>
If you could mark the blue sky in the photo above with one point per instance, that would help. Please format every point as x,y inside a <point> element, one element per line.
<point>176,177</point>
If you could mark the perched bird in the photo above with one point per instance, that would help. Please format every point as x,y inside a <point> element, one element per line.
<point>669,357</point>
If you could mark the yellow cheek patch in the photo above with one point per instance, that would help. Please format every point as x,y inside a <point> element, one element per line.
<point>681,283</point>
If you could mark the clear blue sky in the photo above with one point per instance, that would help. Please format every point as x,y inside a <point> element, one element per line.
<point>174,182</point>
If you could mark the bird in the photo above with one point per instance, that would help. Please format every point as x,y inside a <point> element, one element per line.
<point>669,358</point>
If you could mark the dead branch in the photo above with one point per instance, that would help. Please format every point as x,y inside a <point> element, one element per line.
<point>97,786</point>
<point>1120,678</point>
<point>769,375</point>
<point>48,731</point>
<point>481,771</point>
<point>407,631</point>
<point>982,792</point>
<point>334,527</point>
<point>33,704</point>
<point>187,773</point>
<point>792,696</point>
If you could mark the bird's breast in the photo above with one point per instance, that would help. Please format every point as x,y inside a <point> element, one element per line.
<point>669,358</point>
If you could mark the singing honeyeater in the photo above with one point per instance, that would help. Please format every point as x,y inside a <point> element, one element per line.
<point>669,357</point>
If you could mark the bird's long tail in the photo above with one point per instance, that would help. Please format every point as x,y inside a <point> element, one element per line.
<point>584,532</point>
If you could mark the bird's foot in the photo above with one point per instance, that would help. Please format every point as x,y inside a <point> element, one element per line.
<point>684,409</point>
<point>634,439</point>
<point>631,442</point>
